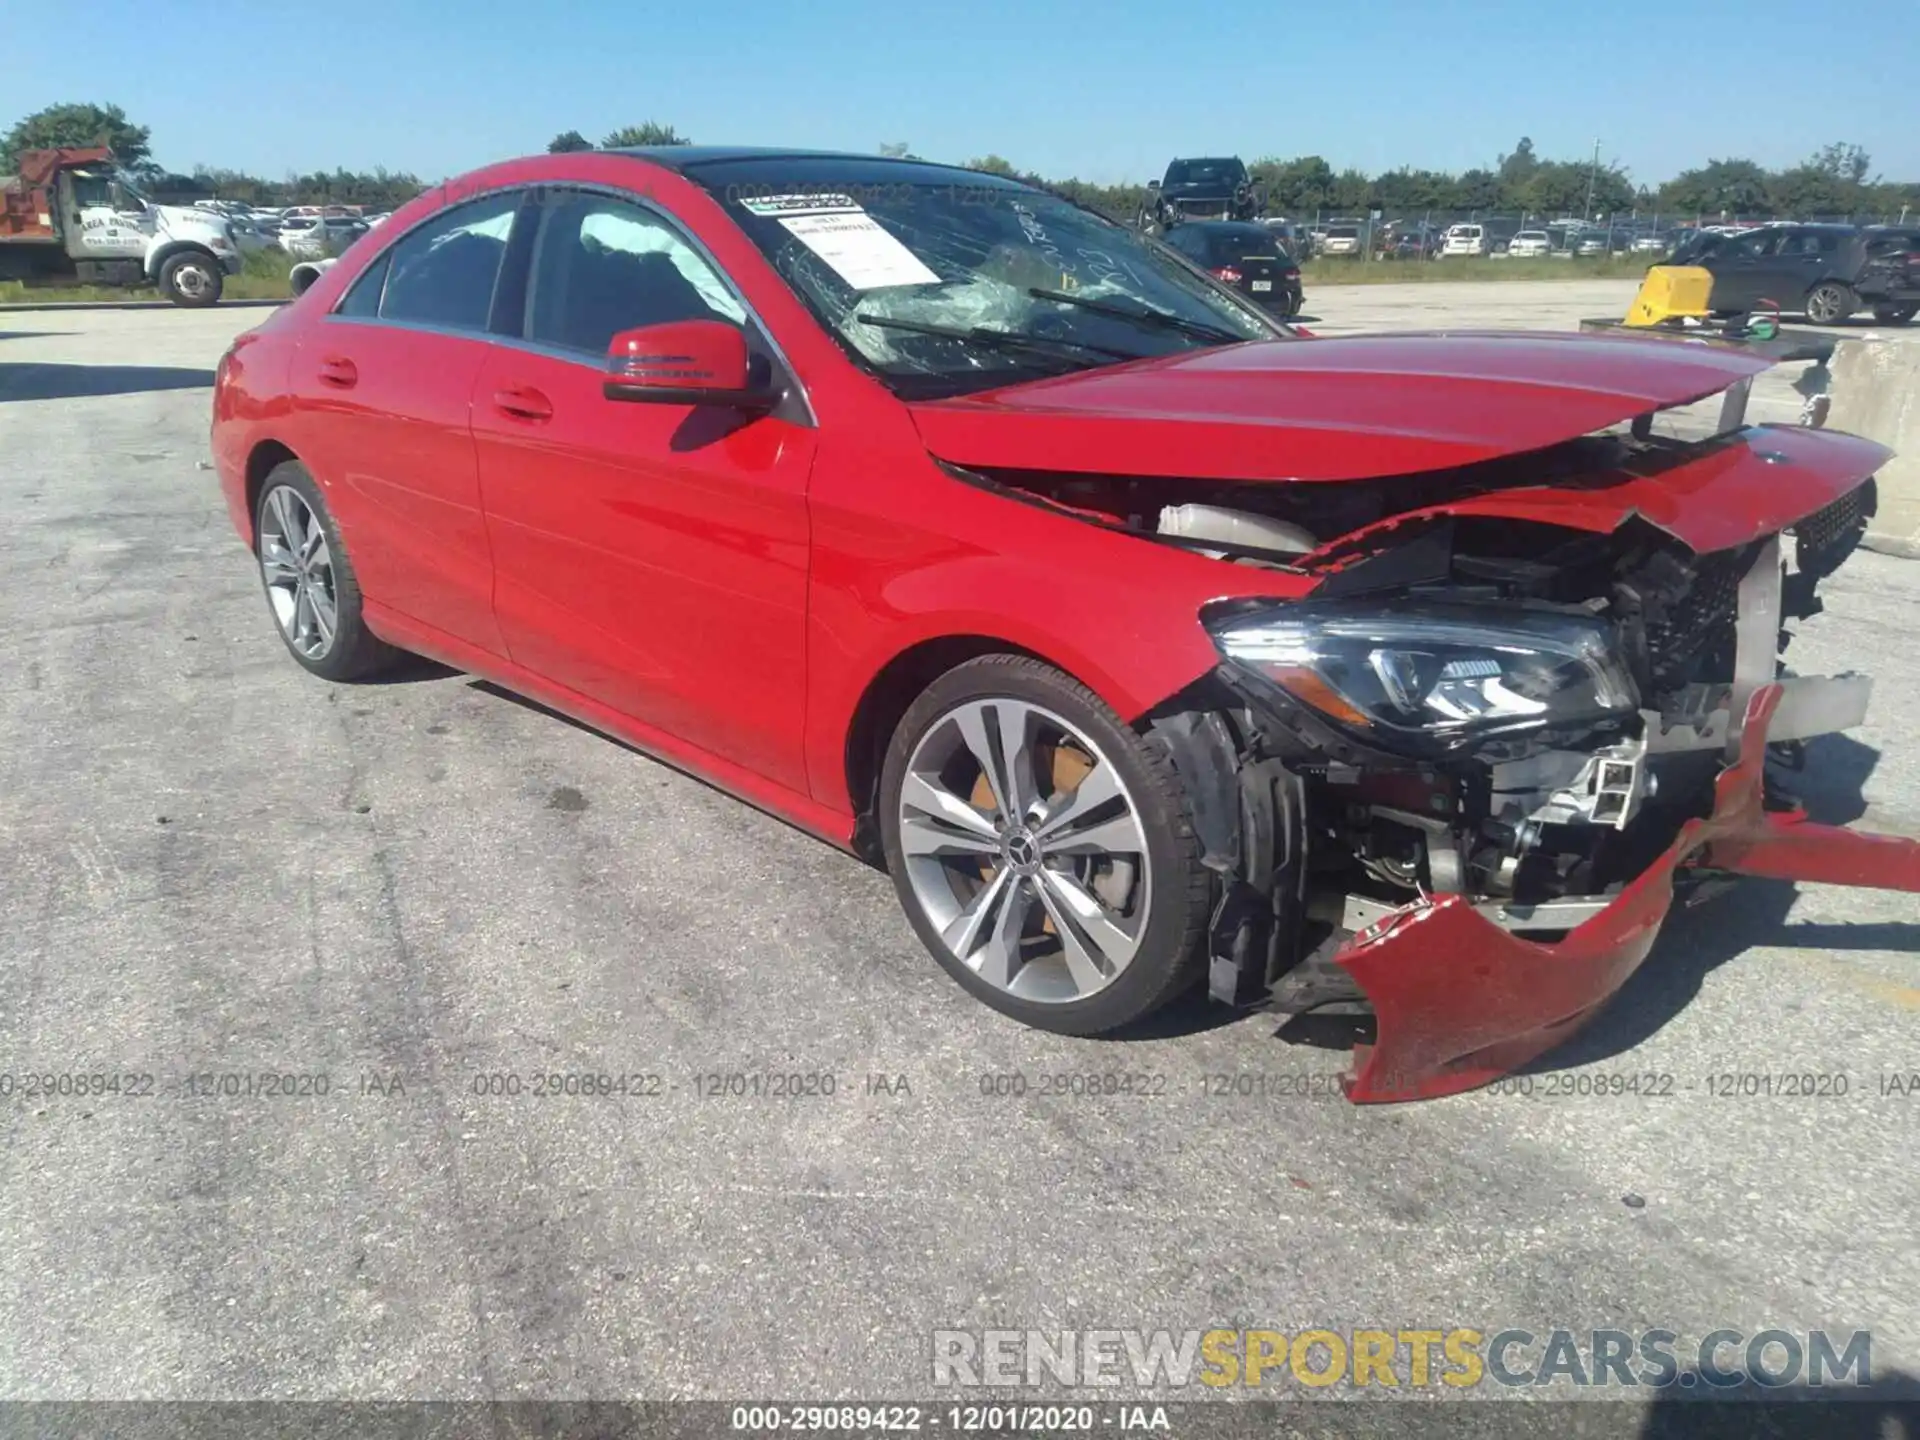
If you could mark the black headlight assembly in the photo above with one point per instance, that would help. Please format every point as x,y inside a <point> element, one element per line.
<point>1434,679</point>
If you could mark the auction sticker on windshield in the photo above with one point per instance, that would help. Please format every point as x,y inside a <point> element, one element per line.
<point>861,253</point>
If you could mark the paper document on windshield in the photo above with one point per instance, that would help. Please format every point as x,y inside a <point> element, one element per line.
<point>861,253</point>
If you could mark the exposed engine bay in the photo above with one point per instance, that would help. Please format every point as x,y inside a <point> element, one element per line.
<point>1516,714</point>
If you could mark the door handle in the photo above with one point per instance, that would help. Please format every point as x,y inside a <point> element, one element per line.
<point>338,371</point>
<point>523,404</point>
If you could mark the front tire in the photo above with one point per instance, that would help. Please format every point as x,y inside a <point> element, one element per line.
<point>309,581</point>
<point>1895,314</point>
<point>192,278</point>
<point>1044,854</point>
<point>1829,303</point>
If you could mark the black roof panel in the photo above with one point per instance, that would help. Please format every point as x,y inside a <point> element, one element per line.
<point>702,161</point>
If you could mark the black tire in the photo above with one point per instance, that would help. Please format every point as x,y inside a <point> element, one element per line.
<point>192,278</point>
<point>1830,302</point>
<point>1169,958</point>
<point>355,652</point>
<point>1895,314</point>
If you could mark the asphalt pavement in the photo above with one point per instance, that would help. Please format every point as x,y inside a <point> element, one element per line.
<point>411,900</point>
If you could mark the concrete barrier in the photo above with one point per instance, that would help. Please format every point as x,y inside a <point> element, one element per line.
<point>1876,393</point>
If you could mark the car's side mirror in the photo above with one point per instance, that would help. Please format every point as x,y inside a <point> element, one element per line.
<point>685,362</point>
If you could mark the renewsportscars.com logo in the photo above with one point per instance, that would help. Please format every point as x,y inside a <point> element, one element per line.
<point>1456,1358</point>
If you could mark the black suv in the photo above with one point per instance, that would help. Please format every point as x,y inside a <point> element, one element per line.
<point>1246,257</point>
<point>1210,189</point>
<point>1825,272</point>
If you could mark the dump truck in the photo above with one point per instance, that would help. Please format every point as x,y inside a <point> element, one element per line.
<point>71,217</point>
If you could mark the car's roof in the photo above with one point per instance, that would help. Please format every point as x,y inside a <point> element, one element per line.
<point>699,161</point>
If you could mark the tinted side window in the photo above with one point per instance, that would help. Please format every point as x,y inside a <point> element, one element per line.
<point>1808,242</point>
<point>443,273</point>
<point>604,265</point>
<point>362,301</point>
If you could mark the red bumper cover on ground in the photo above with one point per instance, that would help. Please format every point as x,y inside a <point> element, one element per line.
<point>1460,1002</point>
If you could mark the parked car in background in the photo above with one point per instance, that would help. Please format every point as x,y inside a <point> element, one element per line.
<point>1416,243</point>
<point>1500,231</point>
<point>249,236</point>
<point>1530,245</point>
<point>1464,240</point>
<point>1341,239</point>
<point>1889,281</point>
<point>1590,245</point>
<point>986,541</point>
<point>1217,188</point>
<point>309,237</point>
<point>1650,243</point>
<point>1245,256</point>
<point>1294,239</point>
<point>1825,272</point>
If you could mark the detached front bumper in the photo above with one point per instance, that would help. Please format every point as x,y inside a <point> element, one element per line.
<point>1459,1001</point>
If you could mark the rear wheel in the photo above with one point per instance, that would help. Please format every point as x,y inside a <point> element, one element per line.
<point>192,278</point>
<point>1895,314</point>
<point>1043,853</point>
<point>1829,302</point>
<point>309,581</point>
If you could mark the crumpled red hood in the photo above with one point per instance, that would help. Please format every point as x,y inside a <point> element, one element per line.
<point>1329,409</point>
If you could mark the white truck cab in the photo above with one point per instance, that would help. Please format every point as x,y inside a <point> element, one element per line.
<point>71,216</point>
<point>187,252</point>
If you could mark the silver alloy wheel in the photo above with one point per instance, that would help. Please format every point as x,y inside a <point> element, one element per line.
<point>1825,304</point>
<point>1025,850</point>
<point>298,569</point>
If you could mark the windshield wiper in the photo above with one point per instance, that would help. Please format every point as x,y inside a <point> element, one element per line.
<point>1145,315</point>
<point>990,338</point>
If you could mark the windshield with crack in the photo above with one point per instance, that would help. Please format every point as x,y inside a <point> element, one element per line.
<point>948,282</point>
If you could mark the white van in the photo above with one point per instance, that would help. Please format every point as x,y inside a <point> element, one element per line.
<point>1464,240</point>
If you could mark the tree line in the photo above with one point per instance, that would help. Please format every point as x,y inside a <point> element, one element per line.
<point>1832,182</point>
<point>1835,181</point>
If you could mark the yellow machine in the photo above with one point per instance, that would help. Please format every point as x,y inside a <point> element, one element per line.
<point>1670,293</point>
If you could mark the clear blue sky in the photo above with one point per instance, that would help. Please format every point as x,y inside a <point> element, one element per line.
<point>1108,92</point>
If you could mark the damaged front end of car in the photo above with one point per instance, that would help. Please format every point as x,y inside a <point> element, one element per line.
<point>1470,771</point>
<point>1522,703</point>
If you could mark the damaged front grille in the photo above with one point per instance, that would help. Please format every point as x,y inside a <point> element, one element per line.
<point>1685,632</point>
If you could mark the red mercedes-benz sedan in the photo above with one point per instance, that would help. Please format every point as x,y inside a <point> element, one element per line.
<point>1140,638</point>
